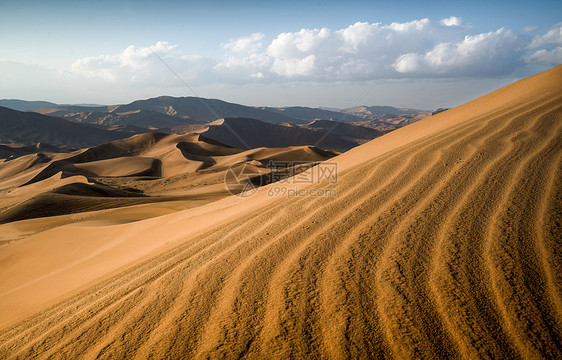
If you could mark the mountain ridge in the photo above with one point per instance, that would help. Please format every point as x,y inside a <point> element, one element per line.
<point>28,128</point>
<point>203,110</point>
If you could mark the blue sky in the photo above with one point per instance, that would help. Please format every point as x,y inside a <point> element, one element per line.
<point>316,53</point>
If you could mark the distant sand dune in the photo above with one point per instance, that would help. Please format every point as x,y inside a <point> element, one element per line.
<point>443,242</point>
<point>143,170</point>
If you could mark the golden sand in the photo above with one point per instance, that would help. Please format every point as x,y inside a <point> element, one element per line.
<point>443,241</point>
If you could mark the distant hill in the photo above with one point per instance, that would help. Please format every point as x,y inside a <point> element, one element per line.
<point>189,109</point>
<point>167,112</point>
<point>251,133</point>
<point>367,111</point>
<point>24,105</point>
<point>338,129</point>
<point>204,110</point>
<point>22,132</point>
<point>310,114</point>
<point>142,119</point>
<point>29,128</point>
<point>345,130</point>
<point>8,152</point>
<point>62,110</point>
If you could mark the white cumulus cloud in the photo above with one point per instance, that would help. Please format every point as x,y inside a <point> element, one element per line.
<point>365,51</point>
<point>545,57</point>
<point>547,47</point>
<point>140,65</point>
<point>451,21</point>
<point>244,45</point>
<point>551,37</point>
<point>482,54</point>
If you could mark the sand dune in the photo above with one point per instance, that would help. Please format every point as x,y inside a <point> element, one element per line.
<point>443,241</point>
<point>143,170</point>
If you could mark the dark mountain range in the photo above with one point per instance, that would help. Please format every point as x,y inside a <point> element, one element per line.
<point>142,119</point>
<point>345,130</point>
<point>24,105</point>
<point>166,112</point>
<point>311,114</point>
<point>204,110</point>
<point>369,111</point>
<point>251,133</point>
<point>190,110</point>
<point>245,127</point>
<point>7,151</point>
<point>29,128</point>
<point>28,132</point>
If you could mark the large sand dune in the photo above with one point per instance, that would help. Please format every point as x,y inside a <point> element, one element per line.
<point>443,241</point>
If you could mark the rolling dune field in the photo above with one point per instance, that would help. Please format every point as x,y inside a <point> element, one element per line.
<point>444,241</point>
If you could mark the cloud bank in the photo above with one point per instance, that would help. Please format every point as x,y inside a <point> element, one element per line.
<point>443,50</point>
<point>487,54</point>
<point>362,51</point>
<point>140,65</point>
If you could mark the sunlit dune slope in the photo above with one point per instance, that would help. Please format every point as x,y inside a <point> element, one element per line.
<point>443,242</point>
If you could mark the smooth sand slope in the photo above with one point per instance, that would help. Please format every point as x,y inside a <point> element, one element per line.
<point>443,242</point>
